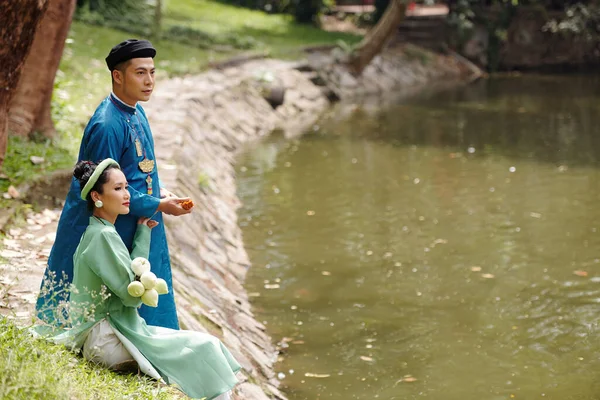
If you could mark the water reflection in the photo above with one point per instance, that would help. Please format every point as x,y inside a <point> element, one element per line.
<point>442,248</point>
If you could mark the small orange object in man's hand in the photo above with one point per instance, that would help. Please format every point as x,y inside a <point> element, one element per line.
<point>187,204</point>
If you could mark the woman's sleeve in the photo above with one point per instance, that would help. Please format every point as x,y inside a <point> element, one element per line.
<point>141,242</point>
<point>111,261</point>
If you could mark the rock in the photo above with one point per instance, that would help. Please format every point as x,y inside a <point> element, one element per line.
<point>12,192</point>
<point>35,160</point>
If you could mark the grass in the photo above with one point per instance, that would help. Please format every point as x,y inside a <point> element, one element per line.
<point>20,169</point>
<point>276,33</point>
<point>34,369</point>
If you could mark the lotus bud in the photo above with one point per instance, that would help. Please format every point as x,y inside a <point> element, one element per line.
<point>139,265</point>
<point>136,289</point>
<point>161,286</point>
<point>150,298</point>
<point>148,279</point>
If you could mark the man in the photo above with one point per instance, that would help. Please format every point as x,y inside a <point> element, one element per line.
<point>118,130</point>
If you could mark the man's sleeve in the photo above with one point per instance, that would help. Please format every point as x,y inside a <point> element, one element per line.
<point>142,204</point>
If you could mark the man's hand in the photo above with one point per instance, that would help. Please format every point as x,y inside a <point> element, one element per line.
<point>164,193</point>
<point>172,206</point>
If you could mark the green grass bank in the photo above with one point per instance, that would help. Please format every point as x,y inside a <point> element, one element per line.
<point>34,369</point>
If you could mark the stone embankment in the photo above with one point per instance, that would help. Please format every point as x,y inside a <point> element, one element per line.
<point>199,124</point>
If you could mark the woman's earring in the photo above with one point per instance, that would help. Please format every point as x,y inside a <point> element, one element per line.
<point>98,203</point>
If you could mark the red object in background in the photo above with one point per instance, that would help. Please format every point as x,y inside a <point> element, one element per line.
<point>411,5</point>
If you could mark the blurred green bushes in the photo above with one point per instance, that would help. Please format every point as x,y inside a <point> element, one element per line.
<point>134,16</point>
<point>304,11</point>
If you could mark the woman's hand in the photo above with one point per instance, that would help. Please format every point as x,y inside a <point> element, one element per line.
<point>150,223</point>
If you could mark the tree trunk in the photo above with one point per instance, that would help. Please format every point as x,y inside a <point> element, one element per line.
<point>377,37</point>
<point>156,29</point>
<point>30,107</point>
<point>18,23</point>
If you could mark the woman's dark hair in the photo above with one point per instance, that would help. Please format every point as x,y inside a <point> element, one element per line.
<point>83,172</point>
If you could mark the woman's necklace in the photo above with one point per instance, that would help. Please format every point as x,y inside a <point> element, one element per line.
<point>100,220</point>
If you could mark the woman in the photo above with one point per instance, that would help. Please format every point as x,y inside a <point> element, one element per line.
<point>104,318</point>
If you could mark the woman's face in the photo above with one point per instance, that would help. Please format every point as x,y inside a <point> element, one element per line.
<point>115,196</point>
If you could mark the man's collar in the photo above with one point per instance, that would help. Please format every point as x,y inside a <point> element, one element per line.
<point>121,104</point>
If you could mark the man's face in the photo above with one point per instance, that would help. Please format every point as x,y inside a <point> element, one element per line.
<point>138,80</point>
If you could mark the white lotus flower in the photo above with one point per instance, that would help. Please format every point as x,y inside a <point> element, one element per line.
<point>139,265</point>
<point>161,286</point>
<point>136,289</point>
<point>148,279</point>
<point>150,298</point>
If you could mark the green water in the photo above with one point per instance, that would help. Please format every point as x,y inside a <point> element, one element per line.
<point>446,247</point>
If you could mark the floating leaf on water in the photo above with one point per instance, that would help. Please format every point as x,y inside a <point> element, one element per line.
<point>409,378</point>
<point>298,342</point>
<point>535,215</point>
<point>487,276</point>
<point>326,273</point>
<point>581,273</point>
<point>475,268</point>
<point>365,358</point>
<point>310,213</point>
<point>311,375</point>
<point>273,286</point>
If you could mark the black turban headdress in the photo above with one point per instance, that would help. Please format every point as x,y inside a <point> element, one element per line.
<point>131,48</point>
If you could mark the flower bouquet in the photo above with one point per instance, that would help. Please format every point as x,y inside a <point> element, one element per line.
<point>146,285</point>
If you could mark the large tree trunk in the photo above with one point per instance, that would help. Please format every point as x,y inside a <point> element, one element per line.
<point>377,37</point>
<point>29,109</point>
<point>18,23</point>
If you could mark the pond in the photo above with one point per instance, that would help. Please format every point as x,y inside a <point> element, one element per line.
<point>443,247</point>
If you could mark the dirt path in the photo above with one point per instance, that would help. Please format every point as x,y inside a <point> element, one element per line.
<point>23,257</point>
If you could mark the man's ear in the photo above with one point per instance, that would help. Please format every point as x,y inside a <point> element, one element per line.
<point>117,76</point>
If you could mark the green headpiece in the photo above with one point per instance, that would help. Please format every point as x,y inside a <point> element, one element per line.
<point>95,175</point>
